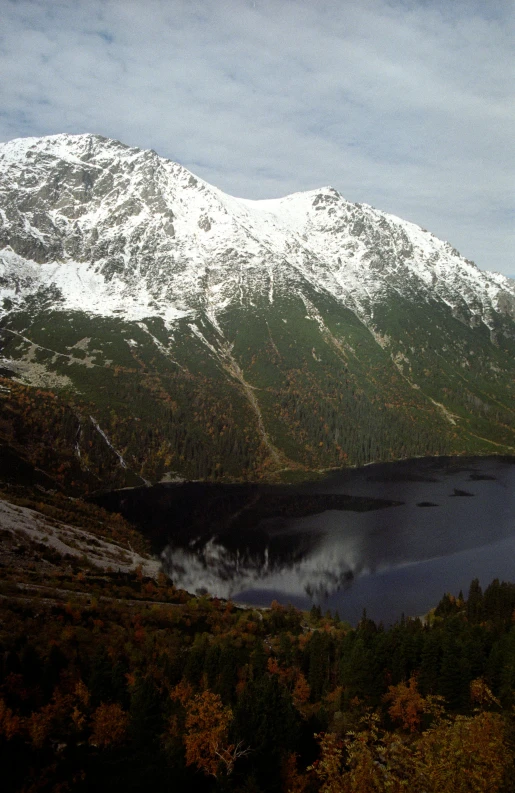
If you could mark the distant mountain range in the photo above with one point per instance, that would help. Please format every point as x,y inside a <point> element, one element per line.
<point>153,326</point>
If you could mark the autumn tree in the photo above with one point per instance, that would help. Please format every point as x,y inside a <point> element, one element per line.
<point>328,767</point>
<point>10,722</point>
<point>406,704</point>
<point>206,739</point>
<point>109,725</point>
<point>301,692</point>
<point>460,755</point>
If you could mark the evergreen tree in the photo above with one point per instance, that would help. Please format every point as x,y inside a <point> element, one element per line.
<point>475,603</point>
<point>100,682</point>
<point>429,673</point>
<point>266,721</point>
<point>146,713</point>
<point>319,654</point>
<point>450,682</point>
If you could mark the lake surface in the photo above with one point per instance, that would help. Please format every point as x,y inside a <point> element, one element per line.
<point>391,538</point>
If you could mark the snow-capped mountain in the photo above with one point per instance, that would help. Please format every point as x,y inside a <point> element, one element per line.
<point>121,230</point>
<point>271,297</point>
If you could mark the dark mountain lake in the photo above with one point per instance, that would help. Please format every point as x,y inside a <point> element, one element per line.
<point>391,538</point>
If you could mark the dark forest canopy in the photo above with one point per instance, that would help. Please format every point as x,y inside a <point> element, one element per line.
<point>131,684</point>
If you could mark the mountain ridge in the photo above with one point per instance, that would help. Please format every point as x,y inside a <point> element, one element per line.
<point>263,220</point>
<point>282,309</point>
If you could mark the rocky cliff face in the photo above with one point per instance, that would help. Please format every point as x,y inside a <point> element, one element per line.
<point>308,317</point>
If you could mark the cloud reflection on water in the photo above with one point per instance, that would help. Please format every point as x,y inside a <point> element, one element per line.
<point>316,556</point>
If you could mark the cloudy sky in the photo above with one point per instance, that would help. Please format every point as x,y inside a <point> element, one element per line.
<point>403,104</point>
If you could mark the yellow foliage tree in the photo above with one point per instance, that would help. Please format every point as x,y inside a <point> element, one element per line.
<point>328,767</point>
<point>206,738</point>
<point>460,754</point>
<point>466,755</point>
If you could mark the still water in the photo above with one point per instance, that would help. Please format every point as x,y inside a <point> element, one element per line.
<point>391,538</point>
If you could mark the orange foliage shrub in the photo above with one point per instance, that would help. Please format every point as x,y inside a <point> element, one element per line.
<point>292,781</point>
<point>39,725</point>
<point>109,725</point>
<point>407,704</point>
<point>301,691</point>
<point>10,723</point>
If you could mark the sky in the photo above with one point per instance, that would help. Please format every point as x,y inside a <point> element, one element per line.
<point>407,105</point>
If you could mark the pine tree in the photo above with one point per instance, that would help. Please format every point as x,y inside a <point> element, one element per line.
<point>145,712</point>
<point>475,603</point>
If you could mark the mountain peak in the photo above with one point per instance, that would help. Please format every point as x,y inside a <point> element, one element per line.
<point>140,229</point>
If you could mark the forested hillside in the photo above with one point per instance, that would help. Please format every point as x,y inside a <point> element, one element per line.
<point>104,403</point>
<point>116,681</point>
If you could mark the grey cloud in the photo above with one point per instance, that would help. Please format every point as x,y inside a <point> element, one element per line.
<point>403,105</point>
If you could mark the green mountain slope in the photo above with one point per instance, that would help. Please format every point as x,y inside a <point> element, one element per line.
<point>302,388</point>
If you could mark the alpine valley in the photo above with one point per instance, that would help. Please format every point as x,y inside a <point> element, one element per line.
<point>153,327</point>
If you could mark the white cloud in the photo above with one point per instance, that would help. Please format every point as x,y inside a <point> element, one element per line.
<point>403,105</point>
